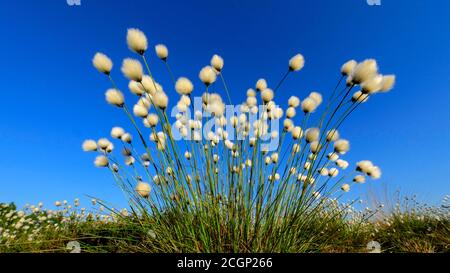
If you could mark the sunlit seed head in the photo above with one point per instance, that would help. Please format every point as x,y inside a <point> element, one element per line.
<point>160,100</point>
<point>332,135</point>
<point>126,138</point>
<point>323,171</point>
<point>143,189</point>
<point>348,67</point>
<point>312,134</point>
<point>207,75</point>
<point>309,105</point>
<point>267,95</point>
<point>374,172</point>
<point>359,179</point>
<point>184,86</point>
<point>140,111</point>
<point>296,63</point>
<point>290,112</point>
<point>345,187</point>
<point>126,151</point>
<point>364,71</point>
<point>341,163</point>
<point>150,85</point>
<point>101,161</point>
<point>372,85</point>
<point>315,147</point>
<point>333,172</point>
<point>162,52</point>
<point>114,97</point>
<point>89,145</point>
<point>294,101</point>
<point>307,165</point>
<point>136,88</point>
<point>181,106</point>
<point>358,96</point>
<point>288,125</point>
<point>341,146</point>
<point>364,166</point>
<point>261,84</point>
<point>333,157</point>
<point>317,97</point>
<point>110,148</point>
<point>217,62</point>
<point>103,143</point>
<point>132,69</point>
<point>152,120</point>
<point>137,41</point>
<point>297,132</point>
<point>102,63</point>
<point>274,158</point>
<point>295,148</point>
<point>251,93</point>
<point>387,83</point>
<point>130,160</point>
<point>144,102</point>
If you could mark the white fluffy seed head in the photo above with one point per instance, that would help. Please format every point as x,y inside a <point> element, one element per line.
<point>137,41</point>
<point>117,132</point>
<point>152,120</point>
<point>267,95</point>
<point>332,135</point>
<point>333,156</point>
<point>294,101</point>
<point>217,62</point>
<point>374,172</point>
<point>261,84</point>
<point>323,171</point>
<point>114,97</point>
<point>162,52</point>
<point>295,148</point>
<point>315,147</point>
<point>103,143</point>
<point>251,93</point>
<point>296,63</point>
<point>140,111</point>
<point>184,86</point>
<point>274,158</point>
<point>187,155</point>
<point>387,83</point>
<point>364,71</point>
<point>102,63</point>
<point>132,69</point>
<point>345,187</point>
<point>348,67</point>
<point>207,75</point>
<point>312,134</point>
<point>150,85</point>
<point>333,172</point>
<point>288,125</point>
<point>372,85</point>
<point>89,145</point>
<point>317,97</point>
<point>341,146</point>
<point>297,132</point>
<point>160,100</point>
<point>136,88</point>
<point>364,166</point>
<point>309,105</point>
<point>143,189</point>
<point>290,112</point>
<point>341,163</point>
<point>126,138</point>
<point>101,161</point>
<point>358,96</point>
<point>359,179</point>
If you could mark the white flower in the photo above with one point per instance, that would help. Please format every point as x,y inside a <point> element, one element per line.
<point>89,145</point>
<point>364,166</point>
<point>140,111</point>
<point>103,143</point>
<point>117,132</point>
<point>317,97</point>
<point>358,96</point>
<point>261,84</point>
<point>217,62</point>
<point>290,112</point>
<point>152,120</point>
<point>387,83</point>
<point>129,160</point>
<point>187,155</point>
<point>374,172</point>
<point>150,85</point>
<point>160,100</point>
<point>364,71</point>
<point>143,189</point>
<point>132,69</point>
<point>323,171</point>
<point>184,86</point>
<point>296,63</point>
<point>294,101</point>
<point>137,41</point>
<point>315,147</point>
<point>359,179</point>
<point>295,148</point>
<point>162,52</point>
<point>207,75</point>
<point>309,105</point>
<point>267,95</point>
<point>341,163</point>
<point>348,67</point>
<point>333,157</point>
<point>345,187</point>
<point>288,125</point>
<point>297,132</point>
<point>332,135</point>
<point>274,158</point>
<point>126,138</point>
<point>333,172</point>
<point>101,161</point>
<point>102,63</point>
<point>372,85</point>
<point>136,88</point>
<point>312,134</point>
<point>114,97</point>
<point>251,93</point>
<point>341,146</point>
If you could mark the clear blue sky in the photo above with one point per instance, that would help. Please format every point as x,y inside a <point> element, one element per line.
<point>53,99</point>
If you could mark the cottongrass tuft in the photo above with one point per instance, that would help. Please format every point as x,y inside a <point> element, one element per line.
<point>102,63</point>
<point>137,41</point>
<point>162,52</point>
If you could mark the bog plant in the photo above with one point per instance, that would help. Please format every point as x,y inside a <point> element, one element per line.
<point>210,176</point>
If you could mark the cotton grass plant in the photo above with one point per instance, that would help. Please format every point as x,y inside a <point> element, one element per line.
<point>211,176</point>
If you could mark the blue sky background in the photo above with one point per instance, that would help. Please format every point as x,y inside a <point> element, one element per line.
<point>53,98</point>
